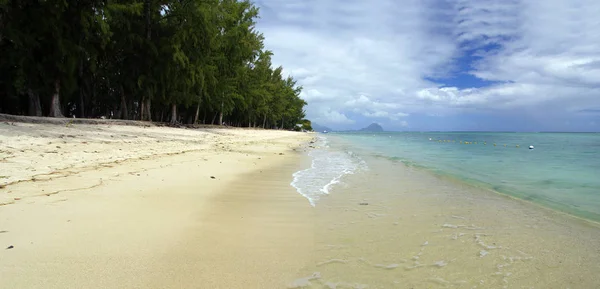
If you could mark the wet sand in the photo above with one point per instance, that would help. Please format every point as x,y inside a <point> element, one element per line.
<point>135,207</point>
<point>414,230</point>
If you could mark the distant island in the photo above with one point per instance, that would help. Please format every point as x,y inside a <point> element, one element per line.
<point>319,128</point>
<point>372,128</point>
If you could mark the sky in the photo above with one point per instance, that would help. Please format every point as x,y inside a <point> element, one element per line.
<point>433,65</point>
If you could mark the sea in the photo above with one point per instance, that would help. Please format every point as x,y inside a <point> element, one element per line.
<point>560,171</point>
<point>453,210</point>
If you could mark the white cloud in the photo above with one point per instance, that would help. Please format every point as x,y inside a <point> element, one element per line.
<point>344,50</point>
<point>376,114</point>
<point>371,60</point>
<point>547,55</point>
<point>364,106</point>
<point>326,115</point>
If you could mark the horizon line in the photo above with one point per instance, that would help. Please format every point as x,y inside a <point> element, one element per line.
<point>463,131</point>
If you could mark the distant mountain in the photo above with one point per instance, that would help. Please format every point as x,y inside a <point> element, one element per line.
<point>373,128</point>
<point>320,128</point>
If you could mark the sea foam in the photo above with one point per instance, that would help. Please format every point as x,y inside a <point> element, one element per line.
<point>328,168</point>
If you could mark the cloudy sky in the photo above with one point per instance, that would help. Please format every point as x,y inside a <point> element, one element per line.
<point>518,65</point>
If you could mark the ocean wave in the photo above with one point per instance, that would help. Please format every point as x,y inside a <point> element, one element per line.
<point>327,169</point>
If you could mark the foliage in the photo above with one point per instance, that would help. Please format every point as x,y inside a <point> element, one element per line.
<point>306,125</point>
<point>185,61</point>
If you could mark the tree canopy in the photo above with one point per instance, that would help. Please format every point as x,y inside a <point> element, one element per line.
<point>181,61</point>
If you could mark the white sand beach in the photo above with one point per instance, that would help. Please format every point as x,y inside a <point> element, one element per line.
<point>113,206</point>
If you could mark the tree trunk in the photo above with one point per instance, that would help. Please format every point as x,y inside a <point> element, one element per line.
<point>204,117</point>
<point>35,108</point>
<point>148,107</point>
<point>142,109</point>
<point>145,103</point>
<point>214,117</point>
<point>173,114</point>
<point>93,97</point>
<point>81,89</point>
<point>197,111</point>
<point>55,110</point>
<point>265,120</point>
<point>221,112</point>
<point>81,104</point>
<point>282,119</point>
<point>124,113</point>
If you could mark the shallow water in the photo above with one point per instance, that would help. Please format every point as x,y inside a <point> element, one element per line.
<point>561,172</point>
<point>389,225</point>
<point>328,166</point>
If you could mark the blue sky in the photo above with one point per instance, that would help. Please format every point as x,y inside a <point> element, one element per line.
<point>512,65</point>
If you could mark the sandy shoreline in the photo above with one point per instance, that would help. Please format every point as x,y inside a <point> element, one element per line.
<point>112,206</point>
<point>422,231</point>
<point>97,206</point>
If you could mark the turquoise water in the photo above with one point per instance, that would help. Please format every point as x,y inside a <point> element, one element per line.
<point>561,172</point>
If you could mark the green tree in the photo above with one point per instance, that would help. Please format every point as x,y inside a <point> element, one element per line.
<point>143,59</point>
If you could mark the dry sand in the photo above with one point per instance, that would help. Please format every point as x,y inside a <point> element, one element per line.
<point>100,206</point>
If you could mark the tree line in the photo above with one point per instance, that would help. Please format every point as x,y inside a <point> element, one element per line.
<point>181,61</point>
